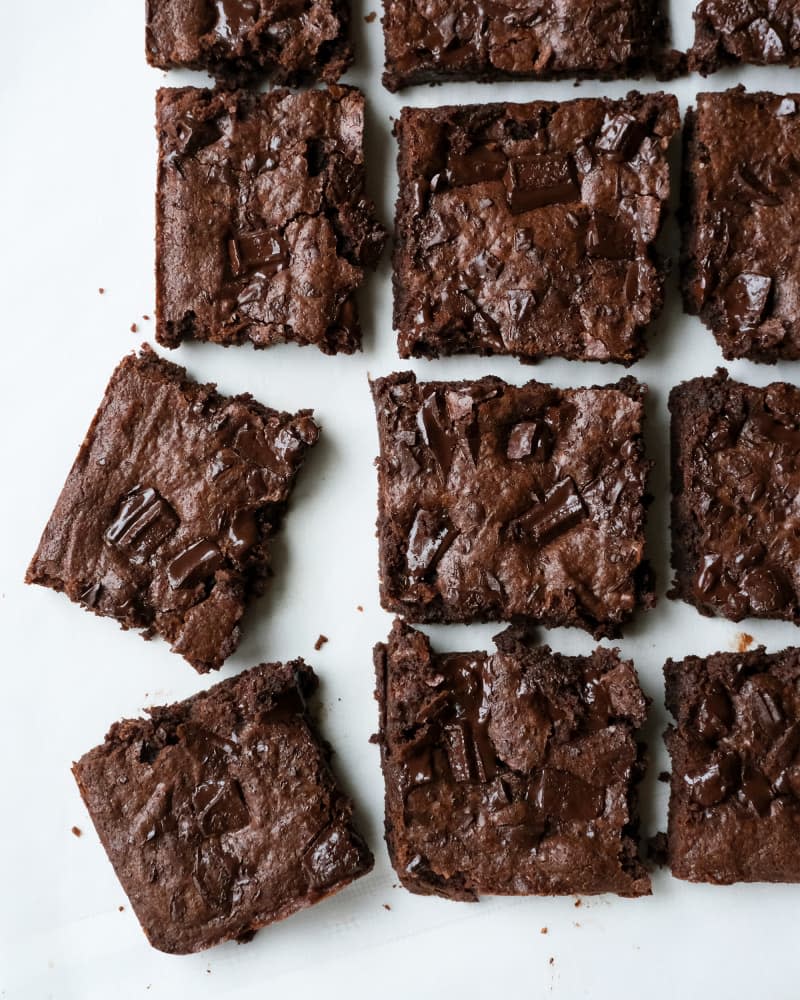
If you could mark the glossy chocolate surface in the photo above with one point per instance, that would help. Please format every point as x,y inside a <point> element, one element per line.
<point>764,32</point>
<point>510,773</point>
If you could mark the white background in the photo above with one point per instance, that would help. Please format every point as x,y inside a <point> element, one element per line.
<point>76,213</point>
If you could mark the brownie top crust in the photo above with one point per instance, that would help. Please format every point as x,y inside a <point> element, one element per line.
<point>220,814</point>
<point>764,32</point>
<point>509,773</point>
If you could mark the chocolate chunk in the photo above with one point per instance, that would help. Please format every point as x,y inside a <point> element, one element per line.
<point>540,180</point>
<point>144,522</point>
<point>561,509</point>
<point>727,32</point>
<point>195,564</point>
<point>430,537</point>
<point>530,439</point>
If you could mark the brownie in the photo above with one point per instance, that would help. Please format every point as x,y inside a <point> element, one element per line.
<point>498,502</point>
<point>165,519</point>
<point>241,41</point>
<point>734,813</point>
<point>220,814</point>
<point>735,481</point>
<point>264,229</point>
<point>435,41</point>
<point>510,773</point>
<point>528,229</point>
<point>728,32</point>
<point>741,270</point>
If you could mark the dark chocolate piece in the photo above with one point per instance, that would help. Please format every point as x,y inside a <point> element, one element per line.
<point>165,520</point>
<point>220,814</point>
<point>528,229</point>
<point>499,502</point>
<point>741,270</point>
<point>264,229</point>
<point>728,32</point>
<point>735,802</point>
<point>241,41</point>
<point>735,479</point>
<point>510,773</point>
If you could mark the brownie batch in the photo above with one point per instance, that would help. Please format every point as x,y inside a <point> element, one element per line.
<point>522,229</point>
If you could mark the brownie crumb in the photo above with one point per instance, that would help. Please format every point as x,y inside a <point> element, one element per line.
<point>320,642</point>
<point>743,642</point>
<point>120,908</point>
<point>76,830</point>
<point>657,850</point>
<point>369,18</point>
<point>543,930</point>
<point>552,960</point>
<point>360,607</point>
<point>664,776</point>
<point>578,902</point>
<point>147,318</point>
<point>101,291</point>
<point>386,906</point>
<point>134,328</point>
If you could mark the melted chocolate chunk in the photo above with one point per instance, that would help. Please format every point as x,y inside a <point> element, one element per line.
<point>727,32</point>
<point>143,523</point>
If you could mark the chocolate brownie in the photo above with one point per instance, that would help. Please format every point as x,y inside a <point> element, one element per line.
<point>735,482</point>
<point>240,41</point>
<point>165,519</point>
<point>528,229</point>
<point>220,814</point>
<point>741,270</point>
<point>263,226</point>
<point>734,810</point>
<point>499,502</point>
<point>727,32</point>
<point>437,41</point>
<point>510,773</point>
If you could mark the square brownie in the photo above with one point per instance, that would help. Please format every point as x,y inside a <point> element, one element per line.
<point>510,773</point>
<point>735,482</point>
<point>241,41</point>
<point>220,814</point>
<point>435,41</point>
<point>734,814</point>
<point>263,226</point>
<point>741,270</point>
<point>728,32</point>
<point>165,519</point>
<point>506,503</point>
<point>528,229</point>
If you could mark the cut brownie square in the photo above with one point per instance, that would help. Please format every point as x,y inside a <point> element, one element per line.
<point>734,813</point>
<point>528,229</point>
<point>263,226</point>
<point>436,41</point>
<point>726,32</point>
<point>510,773</point>
<point>241,41</point>
<point>741,269</point>
<point>498,502</point>
<point>165,518</point>
<point>735,481</point>
<point>220,814</point>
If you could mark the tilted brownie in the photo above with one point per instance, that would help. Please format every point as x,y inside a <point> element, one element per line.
<point>220,814</point>
<point>241,41</point>
<point>741,269</point>
<point>528,229</point>
<point>165,519</point>
<point>726,32</point>
<point>734,811</point>
<point>263,226</point>
<point>499,503</point>
<point>735,482</point>
<point>437,41</point>
<point>510,773</point>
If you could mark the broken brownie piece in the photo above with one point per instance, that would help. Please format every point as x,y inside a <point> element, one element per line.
<point>220,814</point>
<point>166,516</point>
<point>735,479</point>
<point>499,502</point>
<point>263,225</point>
<point>727,32</point>
<point>241,41</point>
<point>734,808</point>
<point>510,773</point>
<point>741,269</point>
<point>528,229</point>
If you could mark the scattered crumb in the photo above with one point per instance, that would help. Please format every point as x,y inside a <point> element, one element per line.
<point>386,906</point>
<point>369,18</point>
<point>664,776</point>
<point>146,318</point>
<point>543,930</point>
<point>575,923</point>
<point>360,607</point>
<point>578,902</point>
<point>743,642</point>
<point>102,291</point>
<point>320,642</point>
<point>208,971</point>
<point>77,831</point>
<point>134,328</point>
<point>552,960</point>
<point>657,850</point>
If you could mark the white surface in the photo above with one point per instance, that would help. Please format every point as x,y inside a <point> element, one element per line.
<point>77,176</point>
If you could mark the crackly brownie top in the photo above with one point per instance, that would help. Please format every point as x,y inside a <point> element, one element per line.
<point>749,31</point>
<point>743,272</point>
<point>497,501</point>
<point>511,772</point>
<point>220,814</point>
<point>288,41</point>
<point>435,40</point>
<point>527,228</point>
<point>736,524</point>
<point>264,228</point>
<point>165,517</point>
<point>735,804</point>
